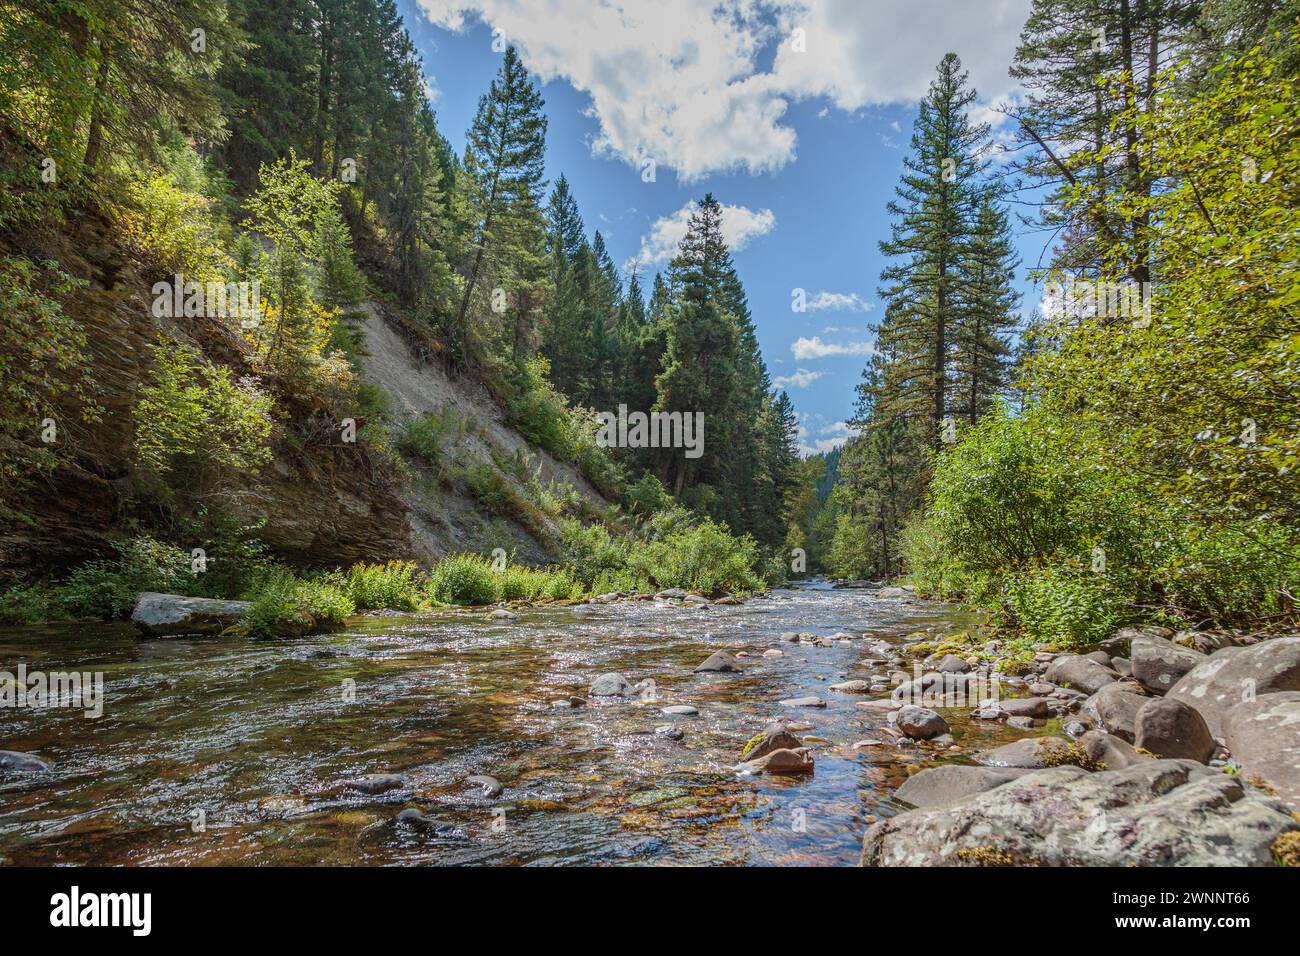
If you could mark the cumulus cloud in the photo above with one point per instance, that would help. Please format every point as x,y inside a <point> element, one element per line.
<point>801,378</point>
<point>837,302</point>
<point>678,81</point>
<point>739,226</point>
<point>805,348</point>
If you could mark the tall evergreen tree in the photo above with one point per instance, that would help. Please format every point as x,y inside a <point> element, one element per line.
<point>504,166</point>
<point>937,197</point>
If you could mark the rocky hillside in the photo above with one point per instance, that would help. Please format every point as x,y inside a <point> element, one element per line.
<point>320,501</point>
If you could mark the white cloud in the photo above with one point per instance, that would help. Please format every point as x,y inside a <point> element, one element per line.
<point>837,302</point>
<point>804,348</point>
<point>739,226</point>
<point>836,428</point>
<point>801,378</point>
<point>677,81</point>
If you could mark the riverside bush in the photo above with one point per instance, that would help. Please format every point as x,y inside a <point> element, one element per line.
<point>464,579</point>
<point>288,606</point>
<point>108,588</point>
<point>394,586</point>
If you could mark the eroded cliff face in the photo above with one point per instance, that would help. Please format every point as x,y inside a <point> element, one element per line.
<point>320,501</point>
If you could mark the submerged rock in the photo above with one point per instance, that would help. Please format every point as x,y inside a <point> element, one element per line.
<point>376,782</point>
<point>171,615</point>
<point>610,685</point>
<point>803,702</point>
<point>13,764</point>
<point>488,787</point>
<point>1031,752</point>
<point>920,723</point>
<point>793,761</point>
<point>1156,813</point>
<point>775,736</point>
<point>939,786</point>
<point>719,662</point>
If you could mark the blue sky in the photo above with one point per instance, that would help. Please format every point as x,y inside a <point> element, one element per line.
<point>795,114</point>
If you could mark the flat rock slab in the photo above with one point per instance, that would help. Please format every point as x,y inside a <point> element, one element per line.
<point>173,615</point>
<point>1032,752</point>
<point>940,786</point>
<point>803,702</point>
<point>1157,813</point>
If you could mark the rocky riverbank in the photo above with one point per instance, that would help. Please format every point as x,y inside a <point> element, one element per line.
<point>668,728</point>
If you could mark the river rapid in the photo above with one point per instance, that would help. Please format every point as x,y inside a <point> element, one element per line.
<point>230,751</point>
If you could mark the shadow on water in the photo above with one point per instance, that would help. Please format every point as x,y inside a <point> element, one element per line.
<point>226,751</point>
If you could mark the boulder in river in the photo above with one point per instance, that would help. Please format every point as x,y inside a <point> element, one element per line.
<point>803,702</point>
<point>14,764</point>
<point>681,710</point>
<point>939,786</point>
<point>719,662</point>
<point>1033,752</point>
<point>1170,728</point>
<point>1114,708</point>
<point>1264,737</point>
<point>920,723</point>
<point>376,782</point>
<point>172,615</point>
<point>488,787</point>
<point>1158,664</point>
<point>852,686</point>
<point>1155,813</point>
<point>1236,674</point>
<point>610,685</point>
<point>1079,672</point>
<point>1023,706</point>
<point>794,761</point>
<point>1108,751</point>
<point>775,736</point>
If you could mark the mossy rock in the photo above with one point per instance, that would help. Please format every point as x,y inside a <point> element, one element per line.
<point>1286,849</point>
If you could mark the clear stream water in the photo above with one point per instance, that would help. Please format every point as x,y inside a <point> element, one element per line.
<point>258,736</point>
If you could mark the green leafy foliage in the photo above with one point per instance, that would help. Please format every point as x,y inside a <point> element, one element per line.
<point>287,606</point>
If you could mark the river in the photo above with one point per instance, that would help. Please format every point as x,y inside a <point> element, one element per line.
<point>228,751</point>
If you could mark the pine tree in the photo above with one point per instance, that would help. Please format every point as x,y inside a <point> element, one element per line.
<point>503,165</point>
<point>987,313</point>
<point>936,200</point>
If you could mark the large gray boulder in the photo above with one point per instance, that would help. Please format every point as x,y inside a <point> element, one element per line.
<point>610,685</point>
<point>1115,708</point>
<point>1158,664</point>
<point>1170,728</point>
<point>920,723</point>
<point>1238,674</point>
<point>1155,813</point>
<point>15,764</point>
<point>939,786</point>
<point>1072,670</point>
<point>171,615</point>
<point>1264,737</point>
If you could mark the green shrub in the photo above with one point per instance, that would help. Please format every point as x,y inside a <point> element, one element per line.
<point>109,588</point>
<point>1064,606</point>
<point>287,606</point>
<point>705,558</point>
<point>464,579</point>
<point>394,586</point>
<point>28,605</point>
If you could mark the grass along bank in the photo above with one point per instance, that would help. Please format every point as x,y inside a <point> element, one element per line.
<point>673,550</point>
